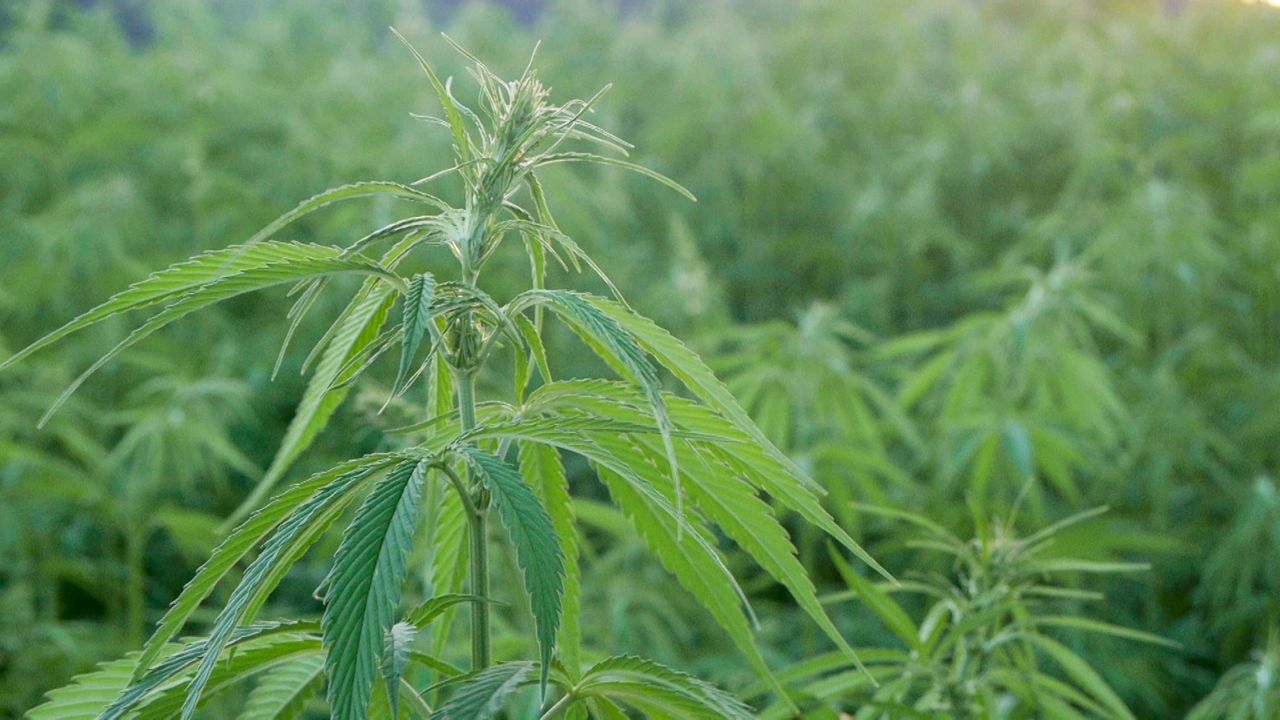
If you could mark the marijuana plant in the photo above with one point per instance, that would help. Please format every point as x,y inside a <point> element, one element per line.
<point>673,466</point>
<point>984,646</point>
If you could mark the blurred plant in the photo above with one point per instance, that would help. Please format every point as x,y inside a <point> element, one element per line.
<point>1240,582</point>
<point>1017,393</point>
<point>1247,691</point>
<point>981,649</point>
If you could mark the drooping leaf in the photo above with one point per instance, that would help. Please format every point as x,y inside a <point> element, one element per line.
<point>349,337</point>
<point>241,541</point>
<point>282,693</point>
<point>615,345</point>
<point>536,544</point>
<point>179,279</point>
<point>479,696</point>
<point>1082,674</point>
<point>257,572</point>
<point>289,262</point>
<point>356,328</point>
<point>234,669</point>
<point>179,662</point>
<point>363,588</point>
<point>696,565</point>
<point>542,470</point>
<point>417,316</point>
<point>87,695</point>
<point>659,691</point>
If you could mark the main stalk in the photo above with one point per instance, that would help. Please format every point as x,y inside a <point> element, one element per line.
<point>481,655</point>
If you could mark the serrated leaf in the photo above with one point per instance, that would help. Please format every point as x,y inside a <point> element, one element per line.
<point>85,696</point>
<point>240,542</point>
<point>234,669</point>
<point>256,574</point>
<point>176,280</point>
<point>566,157</point>
<point>782,480</point>
<point>889,612</point>
<point>417,317</point>
<point>282,693</point>
<point>479,696</point>
<point>659,691</point>
<point>615,345</point>
<point>363,588</point>
<point>178,663</point>
<point>542,470</point>
<point>287,262</point>
<point>357,327</point>
<point>690,557</point>
<point>536,545</point>
<point>449,560</point>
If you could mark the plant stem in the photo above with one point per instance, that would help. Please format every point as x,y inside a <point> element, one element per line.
<point>554,709</point>
<point>479,557</point>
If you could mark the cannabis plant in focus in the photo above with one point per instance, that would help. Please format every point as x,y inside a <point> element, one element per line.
<point>674,466</point>
<point>984,646</point>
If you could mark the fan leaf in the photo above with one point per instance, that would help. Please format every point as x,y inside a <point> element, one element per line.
<point>537,546</point>
<point>363,588</point>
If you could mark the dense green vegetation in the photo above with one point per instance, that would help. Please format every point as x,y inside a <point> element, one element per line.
<point>982,270</point>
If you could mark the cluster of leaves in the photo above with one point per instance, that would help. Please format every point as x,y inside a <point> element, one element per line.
<point>984,644</point>
<point>724,461</point>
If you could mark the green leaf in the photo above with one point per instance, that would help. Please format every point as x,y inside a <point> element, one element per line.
<point>286,262</point>
<point>358,327</point>
<point>355,329</point>
<point>1083,675</point>
<point>771,470</point>
<point>179,662</point>
<point>363,588</point>
<point>417,317</point>
<point>85,696</point>
<point>615,345</point>
<point>282,693</point>
<point>615,162</point>
<point>241,541</point>
<point>397,648</point>
<point>257,573</point>
<point>234,669</point>
<point>659,691</point>
<point>1102,628</point>
<point>690,556</point>
<point>461,141</point>
<point>421,616</point>
<point>536,544</point>
<point>179,279</point>
<point>479,696</point>
<point>338,194</point>
<point>889,612</point>
<point>542,470</point>
<point>449,559</point>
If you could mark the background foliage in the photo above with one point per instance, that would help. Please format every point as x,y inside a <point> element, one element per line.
<point>948,254</point>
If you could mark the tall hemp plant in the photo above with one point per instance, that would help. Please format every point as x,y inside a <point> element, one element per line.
<point>674,466</point>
